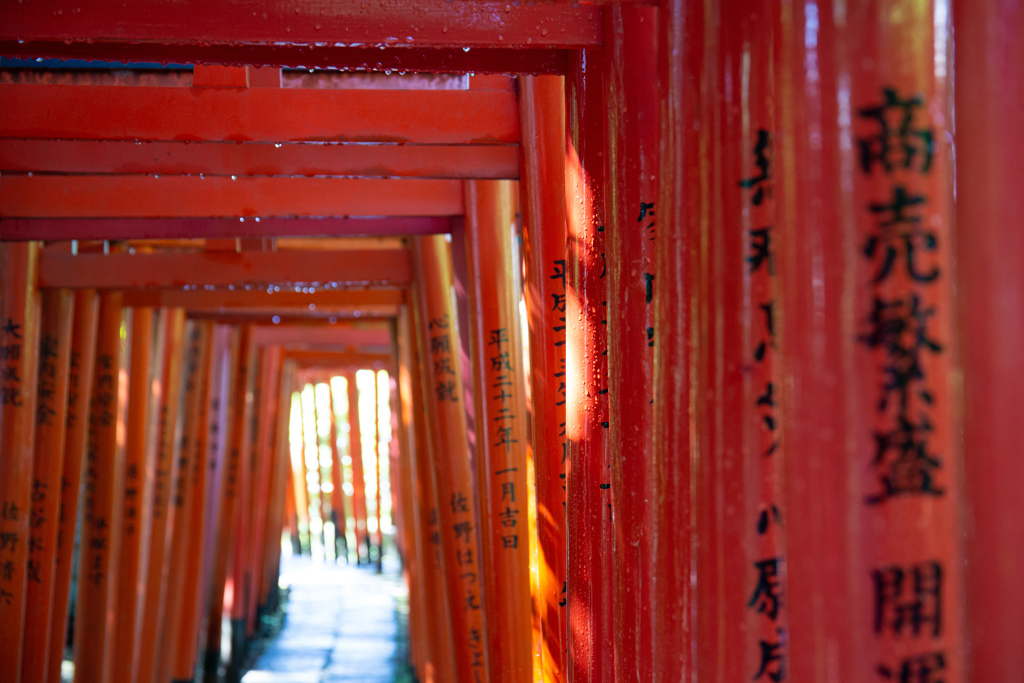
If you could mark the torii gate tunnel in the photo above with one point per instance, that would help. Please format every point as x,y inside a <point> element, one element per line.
<point>661,341</point>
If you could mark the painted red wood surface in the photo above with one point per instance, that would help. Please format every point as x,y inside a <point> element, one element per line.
<point>502,439</point>
<point>680,48</point>
<point>588,519</point>
<point>128,196</point>
<point>542,107</point>
<point>868,347</point>
<point>273,115</point>
<point>80,376</point>
<point>989,94</point>
<point>631,222</point>
<point>50,421</point>
<point>428,23</point>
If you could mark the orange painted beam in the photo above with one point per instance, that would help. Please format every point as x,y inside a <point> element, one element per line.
<point>160,479</point>
<point>307,359</point>
<point>239,298</point>
<point>168,269</point>
<point>104,476</point>
<point>453,480</point>
<point>48,463</point>
<point>544,237</point>
<point>274,115</point>
<point>424,23</point>
<point>50,229</point>
<point>132,196</point>
<point>80,375</point>
<point>502,441</point>
<point>391,160</point>
<point>19,353</point>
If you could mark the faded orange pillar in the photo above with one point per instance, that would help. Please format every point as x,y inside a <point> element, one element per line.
<point>19,347</point>
<point>542,115</point>
<point>95,614</point>
<point>501,435</point>
<point>632,226</point>
<point>453,480</point>
<point>272,558</point>
<point>867,347</point>
<point>990,245</point>
<point>680,49</point>
<point>80,375</point>
<point>182,491</point>
<point>337,481</point>
<point>158,480</point>
<point>588,496</point>
<point>50,423</point>
<point>133,558</point>
<point>741,602</point>
<point>362,532</point>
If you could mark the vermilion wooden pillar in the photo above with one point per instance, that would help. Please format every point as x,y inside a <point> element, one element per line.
<point>990,242</point>
<point>272,542</point>
<point>440,664</point>
<point>680,52</point>
<point>19,346</point>
<point>362,532</point>
<point>95,614</point>
<point>80,375</point>
<point>453,481</point>
<point>269,387</point>
<point>741,603</point>
<point>181,492</point>
<point>164,472</point>
<point>337,481</point>
<point>502,441</point>
<point>542,114</point>
<point>588,495</point>
<point>133,562</point>
<point>377,427</point>
<point>48,462</point>
<point>631,224</point>
<point>872,467</point>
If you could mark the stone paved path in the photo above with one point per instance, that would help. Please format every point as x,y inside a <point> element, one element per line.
<point>343,624</point>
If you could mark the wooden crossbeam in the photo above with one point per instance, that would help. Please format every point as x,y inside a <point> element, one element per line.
<point>127,271</point>
<point>15,229</point>
<point>252,300</point>
<point>111,196</point>
<point>229,158</point>
<point>258,114</point>
<point>416,23</point>
<point>331,336</point>
<point>328,360</point>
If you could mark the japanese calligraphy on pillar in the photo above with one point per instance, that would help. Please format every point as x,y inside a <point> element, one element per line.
<point>903,329</point>
<point>102,416</point>
<point>501,377</point>
<point>768,636</point>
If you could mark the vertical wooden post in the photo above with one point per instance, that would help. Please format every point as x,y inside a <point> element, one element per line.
<point>134,556</point>
<point>440,665</point>
<point>741,606</point>
<point>631,209</point>
<point>159,482</point>
<point>358,477</point>
<point>990,160</point>
<point>866,287</point>
<point>377,427</point>
<point>680,50</point>
<point>588,496</point>
<point>299,477</point>
<point>50,424</point>
<point>19,347</point>
<point>182,491</point>
<point>542,115</point>
<point>272,543</point>
<point>104,476</point>
<point>337,481</point>
<point>502,441</point>
<point>80,376</point>
<point>235,433</point>
<point>453,480</point>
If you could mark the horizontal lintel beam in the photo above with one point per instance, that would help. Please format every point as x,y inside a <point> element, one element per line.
<point>128,271</point>
<point>414,23</point>
<point>276,115</point>
<point>251,300</point>
<point>112,196</point>
<point>309,358</point>
<point>479,60</point>
<point>322,337</point>
<point>52,229</point>
<point>261,159</point>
